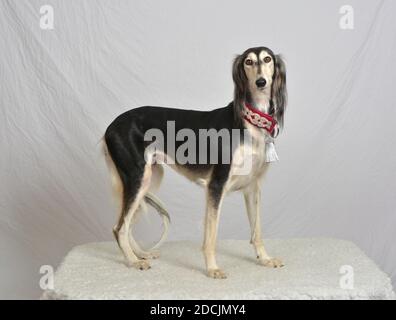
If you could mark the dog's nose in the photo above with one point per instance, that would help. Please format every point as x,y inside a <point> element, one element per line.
<point>261,83</point>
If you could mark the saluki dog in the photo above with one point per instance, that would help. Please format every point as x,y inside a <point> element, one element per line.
<point>258,108</point>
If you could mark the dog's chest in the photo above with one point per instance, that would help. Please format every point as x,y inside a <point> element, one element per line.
<point>249,162</point>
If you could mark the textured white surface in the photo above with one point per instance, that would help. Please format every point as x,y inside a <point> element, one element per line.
<point>312,271</point>
<point>60,88</point>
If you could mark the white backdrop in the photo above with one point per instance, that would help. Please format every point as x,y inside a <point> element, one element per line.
<point>60,89</point>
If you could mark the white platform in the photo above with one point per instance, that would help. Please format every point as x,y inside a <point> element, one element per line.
<point>312,271</point>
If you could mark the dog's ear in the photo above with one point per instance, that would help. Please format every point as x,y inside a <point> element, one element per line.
<point>279,91</point>
<point>240,85</point>
<point>238,73</point>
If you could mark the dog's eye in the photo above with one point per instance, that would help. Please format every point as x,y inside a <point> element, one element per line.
<point>249,62</point>
<point>267,59</point>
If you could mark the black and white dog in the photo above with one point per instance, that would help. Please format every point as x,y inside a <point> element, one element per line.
<point>257,109</point>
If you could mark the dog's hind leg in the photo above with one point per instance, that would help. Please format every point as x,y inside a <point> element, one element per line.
<point>129,180</point>
<point>131,203</point>
<point>252,201</point>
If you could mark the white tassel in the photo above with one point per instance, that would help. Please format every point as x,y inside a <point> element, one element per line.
<point>270,152</point>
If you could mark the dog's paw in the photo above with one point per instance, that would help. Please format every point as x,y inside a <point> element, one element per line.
<point>271,263</point>
<point>141,265</point>
<point>216,274</point>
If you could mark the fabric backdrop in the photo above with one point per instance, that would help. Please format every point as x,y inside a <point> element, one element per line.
<point>60,88</point>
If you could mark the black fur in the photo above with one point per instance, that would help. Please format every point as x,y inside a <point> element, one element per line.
<point>125,140</point>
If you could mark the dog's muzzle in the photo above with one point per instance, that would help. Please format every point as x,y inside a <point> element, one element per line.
<point>260,83</point>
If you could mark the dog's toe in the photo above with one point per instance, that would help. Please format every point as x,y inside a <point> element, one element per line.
<point>216,274</point>
<point>271,263</point>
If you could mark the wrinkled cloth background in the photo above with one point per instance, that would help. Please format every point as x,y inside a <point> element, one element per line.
<point>61,88</point>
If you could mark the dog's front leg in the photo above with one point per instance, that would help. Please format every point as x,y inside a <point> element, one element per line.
<point>252,200</point>
<point>213,203</point>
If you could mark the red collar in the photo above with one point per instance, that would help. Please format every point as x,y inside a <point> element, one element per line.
<point>258,118</point>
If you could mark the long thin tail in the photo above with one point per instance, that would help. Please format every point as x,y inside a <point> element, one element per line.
<point>156,203</point>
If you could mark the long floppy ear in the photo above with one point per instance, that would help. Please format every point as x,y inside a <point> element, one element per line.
<point>240,87</point>
<point>279,91</point>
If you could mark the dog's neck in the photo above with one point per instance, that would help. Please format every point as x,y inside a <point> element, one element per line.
<point>260,100</point>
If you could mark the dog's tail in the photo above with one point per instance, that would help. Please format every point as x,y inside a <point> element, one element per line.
<point>156,203</point>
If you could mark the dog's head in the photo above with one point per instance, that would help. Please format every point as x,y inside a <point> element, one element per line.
<point>259,71</point>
